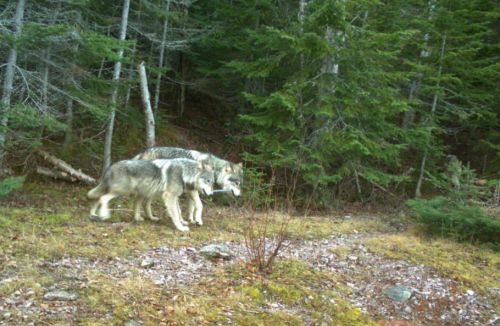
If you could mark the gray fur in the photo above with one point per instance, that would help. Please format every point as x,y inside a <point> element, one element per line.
<point>228,176</point>
<point>225,171</point>
<point>147,179</point>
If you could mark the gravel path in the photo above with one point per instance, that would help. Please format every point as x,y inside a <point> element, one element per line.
<point>434,301</point>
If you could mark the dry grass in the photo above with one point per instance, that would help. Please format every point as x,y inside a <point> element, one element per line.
<point>45,223</point>
<point>474,266</point>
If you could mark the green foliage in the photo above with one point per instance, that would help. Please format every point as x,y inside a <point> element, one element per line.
<point>458,214</point>
<point>27,125</point>
<point>466,222</point>
<point>10,184</point>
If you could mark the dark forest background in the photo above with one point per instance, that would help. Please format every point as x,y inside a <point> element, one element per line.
<point>325,101</point>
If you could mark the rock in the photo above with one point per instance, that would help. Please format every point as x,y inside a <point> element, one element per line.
<point>399,293</point>
<point>408,309</point>
<point>353,258</point>
<point>470,292</point>
<point>147,262</point>
<point>216,251</point>
<point>60,296</point>
<point>132,322</point>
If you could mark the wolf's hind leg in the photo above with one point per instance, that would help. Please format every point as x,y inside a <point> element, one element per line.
<point>93,208</point>
<point>103,202</point>
<point>149,213</point>
<point>173,211</point>
<point>137,209</point>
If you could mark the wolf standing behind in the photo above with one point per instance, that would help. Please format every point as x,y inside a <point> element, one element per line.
<point>147,179</point>
<point>228,176</point>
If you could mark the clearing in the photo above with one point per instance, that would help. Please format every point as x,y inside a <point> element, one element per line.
<point>59,268</point>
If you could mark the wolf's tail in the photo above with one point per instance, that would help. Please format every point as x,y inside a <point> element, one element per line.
<point>97,191</point>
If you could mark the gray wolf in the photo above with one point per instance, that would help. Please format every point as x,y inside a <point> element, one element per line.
<point>228,176</point>
<point>169,178</point>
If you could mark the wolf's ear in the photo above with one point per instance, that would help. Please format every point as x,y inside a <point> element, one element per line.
<point>228,169</point>
<point>200,165</point>
<point>240,164</point>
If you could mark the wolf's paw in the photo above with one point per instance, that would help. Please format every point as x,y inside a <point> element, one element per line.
<point>185,223</point>
<point>95,218</point>
<point>138,218</point>
<point>199,223</point>
<point>154,218</point>
<point>183,228</point>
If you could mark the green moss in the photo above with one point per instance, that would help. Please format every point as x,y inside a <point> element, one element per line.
<point>253,292</point>
<point>285,293</point>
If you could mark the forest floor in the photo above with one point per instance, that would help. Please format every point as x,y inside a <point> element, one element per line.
<point>335,269</point>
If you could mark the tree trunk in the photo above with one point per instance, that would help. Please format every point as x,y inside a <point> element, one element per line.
<point>68,135</point>
<point>130,77</point>
<point>161,59</point>
<point>103,61</point>
<point>418,192</point>
<point>116,76</point>
<point>45,77</point>
<point>182,101</point>
<point>9,78</point>
<point>409,116</point>
<point>148,112</point>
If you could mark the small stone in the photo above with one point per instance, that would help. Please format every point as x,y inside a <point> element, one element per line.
<point>342,264</point>
<point>408,309</point>
<point>184,238</point>
<point>399,293</point>
<point>7,315</point>
<point>216,251</point>
<point>353,258</point>
<point>60,296</point>
<point>148,262</point>
<point>132,322</point>
<point>470,292</point>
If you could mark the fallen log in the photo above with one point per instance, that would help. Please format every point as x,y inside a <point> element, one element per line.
<point>68,172</point>
<point>54,174</point>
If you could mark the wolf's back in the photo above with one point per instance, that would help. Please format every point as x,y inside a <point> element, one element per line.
<point>165,153</point>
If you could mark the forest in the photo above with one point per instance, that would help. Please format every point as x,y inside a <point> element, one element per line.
<point>365,136</point>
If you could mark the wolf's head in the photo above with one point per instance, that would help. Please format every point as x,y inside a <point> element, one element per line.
<point>232,177</point>
<point>206,178</point>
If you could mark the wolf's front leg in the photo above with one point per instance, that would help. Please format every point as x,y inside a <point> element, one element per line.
<point>183,222</point>
<point>198,208</point>
<point>171,205</point>
<point>191,206</point>
<point>137,210</point>
<point>149,213</point>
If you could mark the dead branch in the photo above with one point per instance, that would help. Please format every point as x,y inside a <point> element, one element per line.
<point>66,168</point>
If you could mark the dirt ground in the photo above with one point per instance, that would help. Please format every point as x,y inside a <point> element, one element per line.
<point>57,267</point>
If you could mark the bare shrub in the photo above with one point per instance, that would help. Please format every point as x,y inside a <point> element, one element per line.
<point>266,233</point>
<point>265,239</point>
